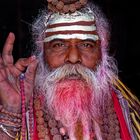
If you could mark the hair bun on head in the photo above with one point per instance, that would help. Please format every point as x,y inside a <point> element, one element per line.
<point>66,6</point>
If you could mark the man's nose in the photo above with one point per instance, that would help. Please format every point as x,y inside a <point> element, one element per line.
<point>73,55</point>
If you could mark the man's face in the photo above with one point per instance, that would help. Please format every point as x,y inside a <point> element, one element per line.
<point>72,51</point>
<point>72,86</point>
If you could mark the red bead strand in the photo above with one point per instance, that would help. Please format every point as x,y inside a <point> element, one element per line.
<point>31,122</point>
<point>23,107</point>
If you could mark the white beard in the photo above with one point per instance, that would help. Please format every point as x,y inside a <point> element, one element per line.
<point>98,82</point>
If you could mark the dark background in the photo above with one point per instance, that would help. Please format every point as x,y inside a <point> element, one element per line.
<point>17,16</point>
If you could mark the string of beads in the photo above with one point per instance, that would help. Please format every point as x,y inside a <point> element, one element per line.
<point>65,6</point>
<point>10,122</point>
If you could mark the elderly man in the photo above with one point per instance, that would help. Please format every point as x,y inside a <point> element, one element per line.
<point>71,89</point>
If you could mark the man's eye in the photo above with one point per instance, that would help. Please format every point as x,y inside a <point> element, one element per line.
<point>58,46</point>
<point>87,46</point>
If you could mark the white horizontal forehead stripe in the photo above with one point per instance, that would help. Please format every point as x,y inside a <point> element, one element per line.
<point>66,20</point>
<point>72,36</point>
<point>72,27</point>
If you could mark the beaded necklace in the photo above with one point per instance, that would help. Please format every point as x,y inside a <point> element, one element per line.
<point>48,128</point>
<point>110,127</point>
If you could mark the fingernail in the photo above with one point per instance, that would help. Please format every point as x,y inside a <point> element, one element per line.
<point>11,34</point>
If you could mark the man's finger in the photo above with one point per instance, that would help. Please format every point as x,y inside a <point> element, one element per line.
<point>21,65</point>
<point>30,72</point>
<point>7,50</point>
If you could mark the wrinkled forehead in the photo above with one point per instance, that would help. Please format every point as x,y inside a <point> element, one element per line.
<point>70,26</point>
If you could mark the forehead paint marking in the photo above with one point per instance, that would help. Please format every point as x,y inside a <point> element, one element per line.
<point>72,27</point>
<point>73,31</point>
<point>84,23</point>
<point>48,34</point>
<point>72,36</point>
<point>78,25</point>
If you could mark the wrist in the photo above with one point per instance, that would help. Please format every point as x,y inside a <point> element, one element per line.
<point>12,108</point>
<point>10,122</point>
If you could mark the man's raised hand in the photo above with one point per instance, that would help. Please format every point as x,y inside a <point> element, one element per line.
<point>9,76</point>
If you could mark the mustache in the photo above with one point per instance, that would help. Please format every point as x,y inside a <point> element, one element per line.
<point>69,70</point>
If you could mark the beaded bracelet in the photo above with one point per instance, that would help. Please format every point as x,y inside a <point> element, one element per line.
<point>9,118</point>
<point>9,123</point>
<point>6,131</point>
<point>11,128</point>
<point>2,110</point>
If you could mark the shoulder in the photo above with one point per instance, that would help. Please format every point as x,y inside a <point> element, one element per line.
<point>127,98</point>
